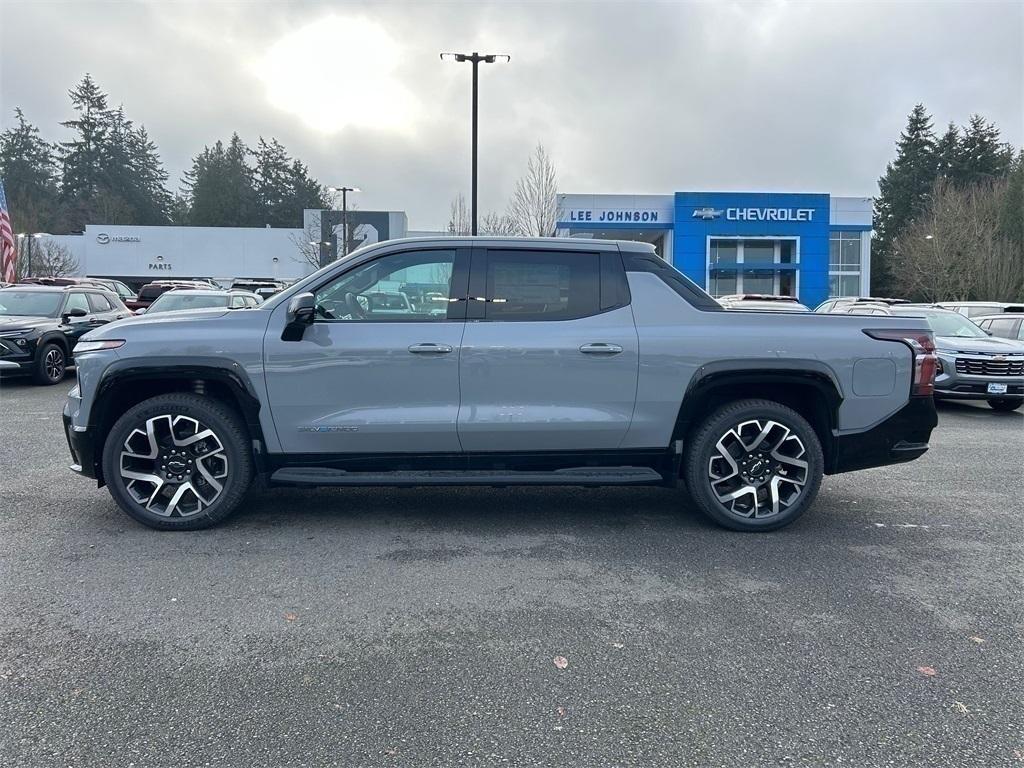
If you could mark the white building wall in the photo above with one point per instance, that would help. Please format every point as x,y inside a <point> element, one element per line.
<point>169,252</point>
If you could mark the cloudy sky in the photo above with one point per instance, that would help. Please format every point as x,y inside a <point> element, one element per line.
<point>628,97</point>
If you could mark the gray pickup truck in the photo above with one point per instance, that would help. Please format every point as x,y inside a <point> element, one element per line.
<point>534,362</point>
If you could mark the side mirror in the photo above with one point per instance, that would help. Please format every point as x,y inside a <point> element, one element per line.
<point>140,311</point>
<point>76,312</point>
<point>301,310</point>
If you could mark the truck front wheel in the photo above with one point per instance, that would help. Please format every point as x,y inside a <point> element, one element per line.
<point>753,465</point>
<point>178,461</point>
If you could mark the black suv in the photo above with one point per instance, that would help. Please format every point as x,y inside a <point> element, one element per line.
<point>39,325</point>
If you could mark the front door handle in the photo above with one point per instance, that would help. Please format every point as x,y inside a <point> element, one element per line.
<point>430,349</point>
<point>600,348</point>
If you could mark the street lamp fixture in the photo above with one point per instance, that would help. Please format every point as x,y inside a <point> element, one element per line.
<point>344,215</point>
<point>475,59</point>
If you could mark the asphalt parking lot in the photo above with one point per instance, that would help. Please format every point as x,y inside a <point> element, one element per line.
<point>419,627</point>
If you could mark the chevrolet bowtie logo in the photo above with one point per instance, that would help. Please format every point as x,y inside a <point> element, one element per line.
<point>706,213</point>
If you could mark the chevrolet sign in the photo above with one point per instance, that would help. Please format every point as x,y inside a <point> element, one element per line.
<point>706,213</point>
<point>768,214</point>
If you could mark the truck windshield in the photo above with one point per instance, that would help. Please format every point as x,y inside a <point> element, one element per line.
<point>172,302</point>
<point>34,303</point>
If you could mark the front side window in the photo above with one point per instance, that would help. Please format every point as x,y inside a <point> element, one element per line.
<point>542,285</point>
<point>77,301</point>
<point>413,286</point>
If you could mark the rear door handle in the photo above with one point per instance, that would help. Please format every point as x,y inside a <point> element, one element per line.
<point>600,348</point>
<point>430,349</point>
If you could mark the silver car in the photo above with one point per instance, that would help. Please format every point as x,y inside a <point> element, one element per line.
<point>973,364</point>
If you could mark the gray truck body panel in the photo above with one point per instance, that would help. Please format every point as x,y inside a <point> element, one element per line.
<point>352,388</point>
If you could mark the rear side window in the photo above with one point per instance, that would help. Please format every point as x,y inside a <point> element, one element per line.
<point>149,292</point>
<point>527,285</point>
<point>1004,327</point>
<point>99,303</point>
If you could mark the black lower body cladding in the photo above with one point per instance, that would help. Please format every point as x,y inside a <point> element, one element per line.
<point>901,437</point>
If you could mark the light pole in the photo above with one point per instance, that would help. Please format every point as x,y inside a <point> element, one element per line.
<point>344,214</point>
<point>28,251</point>
<point>475,58</point>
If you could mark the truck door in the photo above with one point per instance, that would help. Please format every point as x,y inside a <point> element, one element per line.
<point>550,352</point>
<point>372,375</point>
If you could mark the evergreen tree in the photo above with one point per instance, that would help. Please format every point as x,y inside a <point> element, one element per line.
<point>982,155</point>
<point>903,193</point>
<point>154,201</point>
<point>83,157</point>
<point>29,171</point>
<point>947,153</point>
<point>220,187</point>
<point>305,192</point>
<point>283,186</point>
<point>271,179</point>
<point>1011,217</point>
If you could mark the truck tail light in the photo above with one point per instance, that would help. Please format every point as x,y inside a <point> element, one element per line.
<point>922,347</point>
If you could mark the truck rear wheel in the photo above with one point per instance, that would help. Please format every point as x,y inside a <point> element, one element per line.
<point>178,462</point>
<point>754,465</point>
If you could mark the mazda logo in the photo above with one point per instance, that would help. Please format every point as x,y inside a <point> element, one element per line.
<point>102,238</point>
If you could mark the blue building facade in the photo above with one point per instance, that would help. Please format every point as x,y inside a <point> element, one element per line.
<point>808,245</point>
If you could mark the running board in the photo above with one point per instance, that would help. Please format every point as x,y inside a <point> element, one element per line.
<point>575,476</point>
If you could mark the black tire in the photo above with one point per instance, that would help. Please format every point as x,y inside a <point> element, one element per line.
<point>770,474</point>
<point>234,456</point>
<point>1006,403</point>
<point>51,364</point>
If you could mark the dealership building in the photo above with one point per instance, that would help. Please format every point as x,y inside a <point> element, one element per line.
<point>811,246</point>
<point>139,254</point>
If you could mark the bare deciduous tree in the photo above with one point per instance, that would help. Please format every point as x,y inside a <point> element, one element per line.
<point>499,224</point>
<point>49,259</point>
<point>534,207</point>
<point>459,219</point>
<point>307,243</point>
<point>954,249</point>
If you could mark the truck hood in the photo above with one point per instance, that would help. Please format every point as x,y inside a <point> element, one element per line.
<point>122,329</point>
<point>990,345</point>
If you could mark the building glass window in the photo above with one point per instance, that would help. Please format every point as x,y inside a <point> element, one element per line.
<point>758,282</point>
<point>757,261</point>
<point>844,267</point>
<point>724,250</point>
<point>758,252</point>
<point>843,285</point>
<point>723,282</point>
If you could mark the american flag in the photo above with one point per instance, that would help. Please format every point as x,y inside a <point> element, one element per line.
<point>8,253</point>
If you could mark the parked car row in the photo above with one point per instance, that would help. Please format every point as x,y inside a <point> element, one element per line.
<point>974,362</point>
<point>40,325</point>
<point>42,320</point>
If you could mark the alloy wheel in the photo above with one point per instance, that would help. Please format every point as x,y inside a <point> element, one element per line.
<point>173,466</point>
<point>758,469</point>
<point>53,364</point>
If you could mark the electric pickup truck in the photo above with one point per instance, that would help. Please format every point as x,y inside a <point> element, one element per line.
<point>513,362</point>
